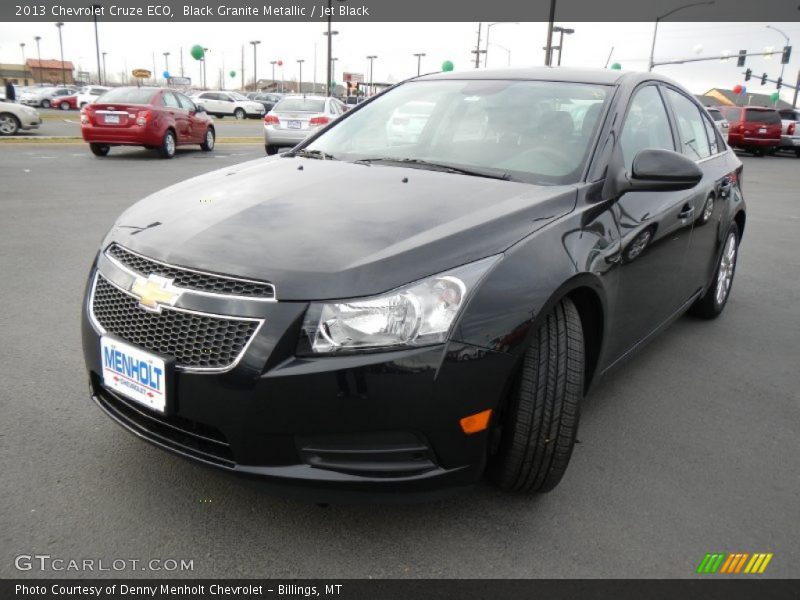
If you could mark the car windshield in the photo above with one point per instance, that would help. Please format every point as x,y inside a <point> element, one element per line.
<point>128,96</point>
<point>315,105</point>
<point>532,131</point>
<point>237,96</point>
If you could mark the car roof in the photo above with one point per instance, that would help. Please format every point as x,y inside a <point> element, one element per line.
<point>599,76</point>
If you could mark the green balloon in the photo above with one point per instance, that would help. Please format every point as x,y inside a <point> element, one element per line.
<point>447,65</point>
<point>197,52</point>
<point>616,67</point>
<point>232,74</point>
<point>775,96</point>
<point>333,85</point>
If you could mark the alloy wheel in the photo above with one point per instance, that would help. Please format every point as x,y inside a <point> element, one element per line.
<point>8,125</point>
<point>727,264</point>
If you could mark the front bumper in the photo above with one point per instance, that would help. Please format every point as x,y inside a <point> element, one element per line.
<point>30,122</point>
<point>378,423</point>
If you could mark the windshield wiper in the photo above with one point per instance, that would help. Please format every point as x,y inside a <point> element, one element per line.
<point>311,154</point>
<point>474,172</point>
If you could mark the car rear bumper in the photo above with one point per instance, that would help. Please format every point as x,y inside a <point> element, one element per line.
<point>375,423</point>
<point>790,141</point>
<point>124,136</point>
<point>286,137</point>
<point>753,142</point>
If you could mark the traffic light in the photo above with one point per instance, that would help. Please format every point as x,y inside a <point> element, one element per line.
<point>779,83</point>
<point>787,53</point>
<point>742,57</point>
<point>764,79</point>
<point>747,74</point>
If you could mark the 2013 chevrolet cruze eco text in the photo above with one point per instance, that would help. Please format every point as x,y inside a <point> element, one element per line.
<point>380,312</point>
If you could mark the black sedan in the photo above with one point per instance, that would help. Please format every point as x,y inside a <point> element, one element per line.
<point>407,304</point>
<point>267,100</point>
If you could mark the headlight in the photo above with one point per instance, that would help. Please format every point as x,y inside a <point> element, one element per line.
<point>417,314</point>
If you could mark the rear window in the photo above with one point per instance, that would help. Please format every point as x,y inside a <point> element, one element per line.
<point>763,116</point>
<point>128,96</point>
<point>733,114</point>
<point>790,115</point>
<point>715,114</point>
<point>301,105</point>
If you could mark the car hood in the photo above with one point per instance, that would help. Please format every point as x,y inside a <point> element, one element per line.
<point>322,229</point>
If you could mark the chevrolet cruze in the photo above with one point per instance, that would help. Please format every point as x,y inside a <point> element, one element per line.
<point>381,310</point>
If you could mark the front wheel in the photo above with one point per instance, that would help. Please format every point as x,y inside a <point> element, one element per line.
<point>45,103</point>
<point>537,431</point>
<point>711,304</point>
<point>167,148</point>
<point>9,124</point>
<point>64,106</point>
<point>239,113</point>
<point>209,140</point>
<point>99,149</point>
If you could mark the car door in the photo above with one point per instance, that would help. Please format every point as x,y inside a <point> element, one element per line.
<point>197,126</point>
<point>654,230</point>
<point>226,104</point>
<point>209,102</point>
<point>179,115</point>
<point>699,140</point>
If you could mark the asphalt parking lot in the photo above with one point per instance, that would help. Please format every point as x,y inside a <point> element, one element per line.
<point>692,447</point>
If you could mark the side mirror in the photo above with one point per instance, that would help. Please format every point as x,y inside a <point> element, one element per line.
<point>656,170</point>
<point>200,108</point>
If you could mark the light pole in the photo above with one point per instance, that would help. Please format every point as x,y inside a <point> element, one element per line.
<point>548,51</point>
<point>786,37</point>
<point>59,25</point>
<point>300,62</point>
<point>664,16</point>
<point>508,52</point>
<point>105,76</point>
<point>255,44</point>
<point>488,31</point>
<point>205,80</point>
<point>166,61</point>
<point>330,33</point>
<point>419,56</point>
<point>274,84</point>
<point>333,74</point>
<point>38,38</point>
<point>22,49</point>
<point>561,31</point>
<point>371,58</point>
<point>97,9</point>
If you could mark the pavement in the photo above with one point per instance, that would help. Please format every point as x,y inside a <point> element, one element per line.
<point>691,447</point>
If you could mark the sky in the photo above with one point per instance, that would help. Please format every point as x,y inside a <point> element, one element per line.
<point>131,45</point>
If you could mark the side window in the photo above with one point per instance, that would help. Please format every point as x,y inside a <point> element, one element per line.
<point>170,100</point>
<point>186,103</point>
<point>694,140</point>
<point>714,145</point>
<point>646,125</point>
<point>224,98</point>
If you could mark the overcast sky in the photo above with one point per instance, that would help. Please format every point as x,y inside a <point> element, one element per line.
<point>131,45</point>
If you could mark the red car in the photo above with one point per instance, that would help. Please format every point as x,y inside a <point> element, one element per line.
<point>155,118</point>
<point>752,128</point>
<point>66,102</point>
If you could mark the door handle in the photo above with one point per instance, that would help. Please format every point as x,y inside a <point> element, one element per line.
<point>686,212</point>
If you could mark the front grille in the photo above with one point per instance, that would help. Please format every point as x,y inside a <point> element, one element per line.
<point>197,341</point>
<point>184,435</point>
<point>191,280</point>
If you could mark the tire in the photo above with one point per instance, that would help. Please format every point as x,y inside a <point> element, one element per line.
<point>9,124</point>
<point>99,149</point>
<point>83,104</point>
<point>270,149</point>
<point>209,140</point>
<point>537,432</point>
<point>711,304</point>
<point>168,145</point>
<point>797,152</point>
<point>64,106</point>
<point>239,114</point>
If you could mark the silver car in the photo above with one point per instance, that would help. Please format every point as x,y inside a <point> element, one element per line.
<point>294,118</point>
<point>720,121</point>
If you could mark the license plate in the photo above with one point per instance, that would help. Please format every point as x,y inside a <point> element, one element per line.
<point>762,130</point>
<point>112,119</point>
<point>134,373</point>
<point>294,124</point>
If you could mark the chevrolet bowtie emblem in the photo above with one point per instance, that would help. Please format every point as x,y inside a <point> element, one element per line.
<point>154,292</point>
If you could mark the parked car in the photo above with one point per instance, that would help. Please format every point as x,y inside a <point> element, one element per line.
<point>89,94</point>
<point>268,101</point>
<point>69,102</point>
<point>296,117</point>
<point>45,97</point>
<point>155,118</point>
<point>229,104</point>
<point>407,122</point>
<point>790,130</point>
<point>753,129</point>
<point>720,121</point>
<point>16,117</point>
<point>358,316</point>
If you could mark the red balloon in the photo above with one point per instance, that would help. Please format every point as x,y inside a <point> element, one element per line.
<point>280,63</point>
<point>737,89</point>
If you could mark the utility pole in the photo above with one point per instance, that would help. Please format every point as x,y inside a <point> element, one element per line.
<point>97,9</point>
<point>548,54</point>
<point>255,43</point>
<point>105,76</point>
<point>39,56</point>
<point>478,48</point>
<point>794,102</point>
<point>274,83</point>
<point>181,61</point>
<point>59,25</point>
<point>371,58</point>
<point>300,62</point>
<point>166,61</point>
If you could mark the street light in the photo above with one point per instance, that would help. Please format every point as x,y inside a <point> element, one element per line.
<point>97,9</point>
<point>105,75</point>
<point>562,31</point>
<point>166,61</point>
<point>488,31</point>
<point>664,16</point>
<point>274,83</point>
<point>205,79</point>
<point>371,58</point>
<point>59,25</point>
<point>330,33</point>
<point>300,62</point>
<point>508,52</point>
<point>22,48</point>
<point>419,56</point>
<point>39,56</point>
<point>255,43</point>
<point>786,37</point>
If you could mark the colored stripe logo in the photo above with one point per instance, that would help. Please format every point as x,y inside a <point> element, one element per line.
<point>734,563</point>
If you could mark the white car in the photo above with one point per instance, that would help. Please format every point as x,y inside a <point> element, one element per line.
<point>790,130</point>
<point>89,94</point>
<point>17,117</point>
<point>46,96</point>
<point>294,118</point>
<point>720,121</point>
<point>229,104</point>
